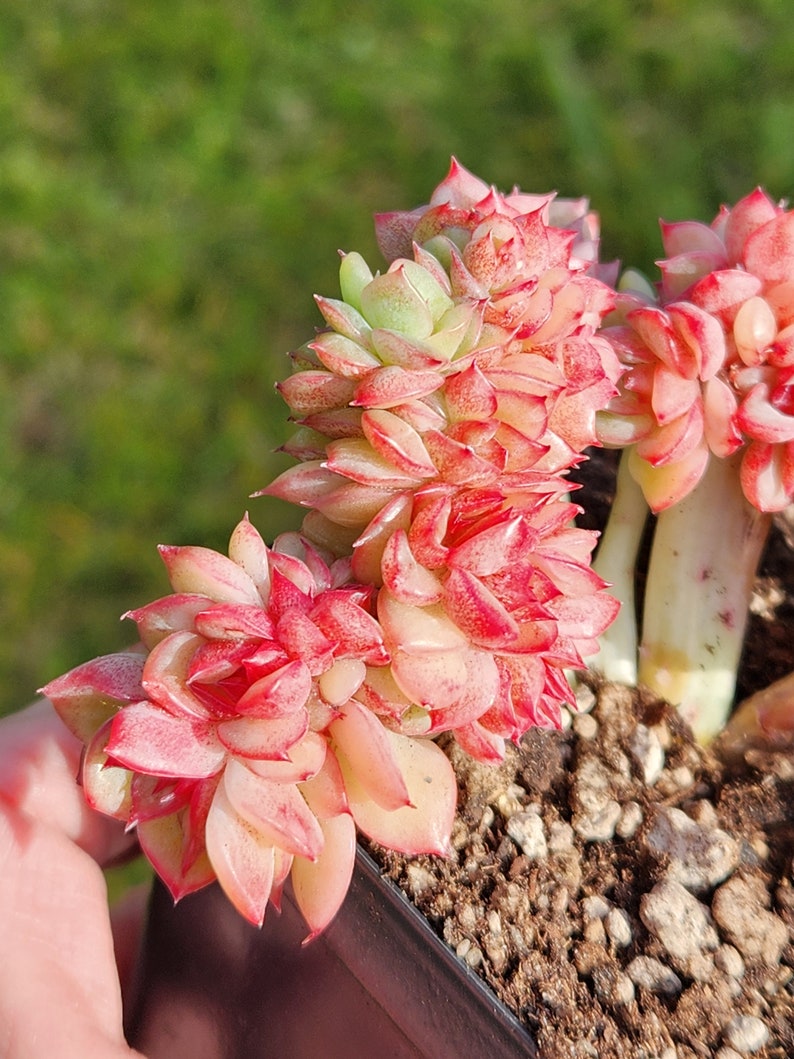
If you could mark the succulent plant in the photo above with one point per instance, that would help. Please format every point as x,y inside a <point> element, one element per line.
<point>282,697</point>
<point>704,406</point>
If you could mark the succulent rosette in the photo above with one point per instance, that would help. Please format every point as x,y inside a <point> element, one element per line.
<point>235,740</point>
<point>438,414</point>
<point>709,370</point>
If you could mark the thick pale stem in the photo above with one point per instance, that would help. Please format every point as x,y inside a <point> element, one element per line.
<point>616,561</point>
<point>705,553</point>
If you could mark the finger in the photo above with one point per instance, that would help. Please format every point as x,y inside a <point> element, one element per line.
<point>39,768</point>
<point>59,990</point>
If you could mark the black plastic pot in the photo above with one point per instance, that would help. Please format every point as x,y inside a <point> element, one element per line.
<point>378,983</point>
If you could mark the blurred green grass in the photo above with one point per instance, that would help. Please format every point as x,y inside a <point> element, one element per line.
<point>175,180</point>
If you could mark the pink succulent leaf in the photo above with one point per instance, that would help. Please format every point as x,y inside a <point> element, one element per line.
<point>769,250</point>
<point>336,423</point>
<point>282,866</point>
<point>754,330</point>
<point>162,842</point>
<point>781,298</point>
<point>722,293</point>
<point>341,681</point>
<point>242,858</point>
<point>303,761</point>
<point>720,405</point>
<point>286,595</point>
<point>312,392</point>
<point>215,660</point>
<point>205,572</point>
<point>392,385</point>
<point>303,484</point>
<point>380,693</point>
<point>477,611</point>
<point>673,395</point>
<point>356,632</point>
<point>585,617</point>
<point>406,579</point>
<point>671,442</point>
<point>320,886</point>
<point>480,743</point>
<point>304,642</point>
<point>325,792</point>
<point>418,630</point>
<point>152,797</point>
<point>394,349</point>
<point>759,418</point>
<point>344,319</point>
<point>680,274</point>
<point>665,484</point>
<point>289,569</point>
<point>368,751</point>
<point>85,697</point>
<point>167,671</point>
<point>146,738</point>
<point>174,613</point>
<point>355,458</point>
<point>106,786</point>
<point>477,696</point>
<point>747,216</point>
<point>470,395</point>
<point>702,334</point>
<point>355,504</point>
<point>277,811</point>
<point>781,352</point>
<point>656,329</point>
<point>263,738</point>
<point>493,547</point>
<point>458,463</point>
<point>343,356</point>
<point>369,546</point>
<point>454,686</point>
<point>686,237</point>
<point>428,530</point>
<point>280,693</point>
<point>234,621</point>
<point>425,823</point>
<point>397,442</point>
<point>763,476</point>
<point>248,551</point>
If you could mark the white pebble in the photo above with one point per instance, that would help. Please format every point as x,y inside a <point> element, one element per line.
<point>650,973</point>
<point>647,753</point>
<point>683,926</point>
<point>630,819</point>
<point>618,927</point>
<point>526,830</point>
<point>595,906</point>
<point>585,726</point>
<point>746,1034</point>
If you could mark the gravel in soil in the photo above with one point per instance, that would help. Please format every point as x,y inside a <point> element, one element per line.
<point>627,894</point>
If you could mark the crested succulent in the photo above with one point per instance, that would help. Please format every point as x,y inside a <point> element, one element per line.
<point>282,697</point>
<point>438,415</point>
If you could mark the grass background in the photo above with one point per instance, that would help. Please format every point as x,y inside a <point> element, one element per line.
<point>175,181</point>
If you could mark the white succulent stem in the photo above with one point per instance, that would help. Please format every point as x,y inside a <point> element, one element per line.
<point>703,561</point>
<point>616,562</point>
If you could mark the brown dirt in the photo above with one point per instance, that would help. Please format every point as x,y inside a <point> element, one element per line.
<point>625,892</point>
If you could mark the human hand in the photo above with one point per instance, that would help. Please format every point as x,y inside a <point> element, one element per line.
<point>64,963</point>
